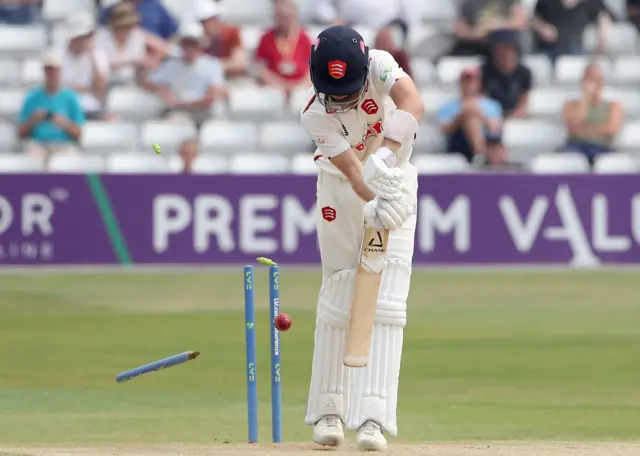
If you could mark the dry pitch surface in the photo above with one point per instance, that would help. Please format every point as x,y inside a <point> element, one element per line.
<point>486,449</point>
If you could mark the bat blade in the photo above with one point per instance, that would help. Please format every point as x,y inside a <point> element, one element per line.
<point>365,300</point>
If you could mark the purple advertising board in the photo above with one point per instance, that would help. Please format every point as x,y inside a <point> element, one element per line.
<point>49,219</point>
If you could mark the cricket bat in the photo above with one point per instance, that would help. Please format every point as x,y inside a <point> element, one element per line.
<point>365,299</point>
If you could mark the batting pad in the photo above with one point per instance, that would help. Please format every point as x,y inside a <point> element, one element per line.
<point>328,394</point>
<point>374,394</point>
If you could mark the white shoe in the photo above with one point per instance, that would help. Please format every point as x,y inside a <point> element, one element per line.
<point>328,431</point>
<point>370,437</point>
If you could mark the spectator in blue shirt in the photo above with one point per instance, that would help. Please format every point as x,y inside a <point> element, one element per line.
<point>154,17</point>
<point>51,118</point>
<point>20,12</point>
<point>190,84</point>
<point>473,122</point>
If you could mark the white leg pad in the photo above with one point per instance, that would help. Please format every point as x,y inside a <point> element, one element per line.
<point>329,391</point>
<point>374,394</point>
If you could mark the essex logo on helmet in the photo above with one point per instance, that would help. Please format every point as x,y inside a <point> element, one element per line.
<point>337,69</point>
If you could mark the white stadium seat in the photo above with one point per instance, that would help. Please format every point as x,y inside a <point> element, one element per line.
<point>626,70</point>
<point>109,137</point>
<point>430,139</point>
<point>11,101</point>
<point>261,103</point>
<point>71,163</point>
<point>11,74</point>
<point>434,99</point>
<point>629,137</point>
<point>32,72</point>
<point>549,101</point>
<point>137,163</point>
<point>449,68</point>
<point>300,97</point>
<point>440,163</point>
<point>247,11</point>
<point>134,104</point>
<point>22,40</point>
<point>169,135</point>
<point>622,39</point>
<point>8,136</point>
<point>250,36</point>
<point>283,138</point>
<point>560,163</point>
<point>258,164</point>
<point>541,69</point>
<point>58,10</point>
<point>210,164</point>
<point>228,137</point>
<point>303,164</point>
<point>570,68</point>
<point>423,71</point>
<point>531,133</point>
<point>10,163</point>
<point>616,163</point>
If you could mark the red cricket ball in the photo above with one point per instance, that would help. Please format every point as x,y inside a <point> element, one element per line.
<point>282,322</point>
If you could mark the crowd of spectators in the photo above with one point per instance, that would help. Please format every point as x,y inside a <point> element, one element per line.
<point>190,62</point>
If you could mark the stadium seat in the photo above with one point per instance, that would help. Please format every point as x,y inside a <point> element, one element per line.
<point>629,98</point>
<point>137,163</point>
<point>299,99</point>
<point>11,102</point>
<point>175,164</point>
<point>541,68</point>
<point>449,68</point>
<point>210,164</point>
<point>303,164</point>
<point>434,99</point>
<point>258,12</point>
<point>570,68</point>
<point>430,139</point>
<point>423,72</point>
<point>260,103</point>
<point>109,137</point>
<point>629,137</point>
<point>616,163</point>
<point>250,36</point>
<point>8,136</point>
<point>622,40</point>
<point>548,102</point>
<point>134,104</point>
<point>58,10</point>
<point>22,40</point>
<point>258,164</point>
<point>560,163</point>
<point>228,137</point>
<point>626,70</point>
<point>32,72</point>
<point>169,135</point>
<point>10,163</point>
<point>440,163</point>
<point>526,133</point>
<point>68,163</point>
<point>283,138</point>
<point>11,74</point>
<point>435,12</point>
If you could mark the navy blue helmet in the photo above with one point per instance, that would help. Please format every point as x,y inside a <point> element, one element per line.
<point>339,66</point>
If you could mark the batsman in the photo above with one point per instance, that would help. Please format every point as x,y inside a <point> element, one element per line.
<point>362,113</point>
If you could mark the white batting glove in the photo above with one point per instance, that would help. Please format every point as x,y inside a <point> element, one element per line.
<point>383,181</point>
<point>390,214</point>
<point>371,217</point>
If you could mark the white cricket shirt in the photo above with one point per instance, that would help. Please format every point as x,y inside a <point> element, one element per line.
<point>361,128</point>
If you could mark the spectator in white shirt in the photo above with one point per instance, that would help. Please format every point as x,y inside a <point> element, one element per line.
<point>85,69</point>
<point>131,50</point>
<point>192,83</point>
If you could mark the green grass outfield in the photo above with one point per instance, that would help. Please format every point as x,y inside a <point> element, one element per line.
<point>489,356</point>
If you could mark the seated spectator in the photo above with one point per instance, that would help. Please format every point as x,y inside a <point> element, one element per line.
<point>592,122</point>
<point>478,18</point>
<point>130,49</point>
<point>224,39</point>
<point>192,83</point>
<point>85,68</point>
<point>51,117</point>
<point>284,51</point>
<point>473,123</point>
<point>504,77</point>
<point>393,19</point>
<point>633,12</point>
<point>154,17</point>
<point>559,25</point>
<point>20,12</point>
<point>188,151</point>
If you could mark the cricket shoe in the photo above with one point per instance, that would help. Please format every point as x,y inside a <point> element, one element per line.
<point>328,431</point>
<point>370,437</point>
